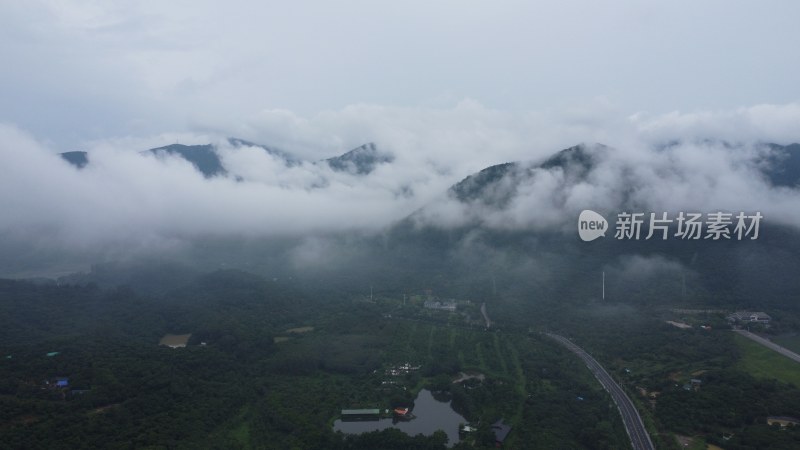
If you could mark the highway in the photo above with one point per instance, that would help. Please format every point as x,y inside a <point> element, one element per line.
<point>640,440</point>
<point>770,345</point>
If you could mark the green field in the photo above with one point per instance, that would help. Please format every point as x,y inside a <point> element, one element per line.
<point>762,362</point>
<point>790,342</point>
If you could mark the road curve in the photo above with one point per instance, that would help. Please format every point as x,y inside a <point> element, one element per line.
<point>770,345</point>
<point>640,440</point>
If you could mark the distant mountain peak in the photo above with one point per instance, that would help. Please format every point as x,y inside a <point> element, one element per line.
<point>288,158</point>
<point>782,165</point>
<point>203,157</point>
<point>582,155</point>
<point>497,184</point>
<point>360,160</point>
<point>78,159</point>
<point>474,186</point>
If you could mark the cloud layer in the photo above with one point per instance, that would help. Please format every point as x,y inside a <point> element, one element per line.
<point>90,69</point>
<point>124,196</point>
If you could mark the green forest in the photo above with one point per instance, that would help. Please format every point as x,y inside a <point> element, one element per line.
<point>271,363</point>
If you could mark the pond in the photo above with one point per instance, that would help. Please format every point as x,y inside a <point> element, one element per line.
<point>430,415</point>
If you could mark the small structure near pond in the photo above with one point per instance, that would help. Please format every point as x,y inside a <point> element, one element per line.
<point>501,431</point>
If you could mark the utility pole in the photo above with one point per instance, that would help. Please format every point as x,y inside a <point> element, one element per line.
<point>604,285</point>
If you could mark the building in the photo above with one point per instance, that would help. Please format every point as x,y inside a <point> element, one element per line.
<point>745,317</point>
<point>441,306</point>
<point>783,421</point>
<point>501,431</point>
<point>467,428</point>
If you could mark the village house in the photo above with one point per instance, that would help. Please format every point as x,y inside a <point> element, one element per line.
<point>745,317</point>
<point>441,306</point>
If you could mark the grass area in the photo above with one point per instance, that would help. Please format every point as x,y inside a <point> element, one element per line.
<point>762,362</point>
<point>499,353</point>
<point>242,434</point>
<point>482,361</point>
<point>790,342</point>
<point>430,342</point>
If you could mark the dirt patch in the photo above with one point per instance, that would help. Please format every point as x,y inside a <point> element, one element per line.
<point>300,330</point>
<point>175,340</point>
<point>462,376</point>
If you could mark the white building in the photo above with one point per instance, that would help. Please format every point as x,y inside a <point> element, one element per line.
<point>749,317</point>
<point>442,306</point>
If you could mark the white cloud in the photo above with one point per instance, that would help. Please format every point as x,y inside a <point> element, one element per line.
<point>78,70</point>
<point>127,197</point>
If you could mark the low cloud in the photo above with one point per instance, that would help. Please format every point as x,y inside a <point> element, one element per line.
<point>129,198</point>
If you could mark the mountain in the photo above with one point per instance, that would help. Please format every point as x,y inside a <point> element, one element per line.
<point>528,264</point>
<point>288,159</point>
<point>77,159</point>
<point>783,168</point>
<point>496,185</point>
<point>538,263</point>
<point>203,157</point>
<point>360,161</point>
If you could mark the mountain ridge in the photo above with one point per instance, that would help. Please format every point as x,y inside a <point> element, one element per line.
<point>359,161</point>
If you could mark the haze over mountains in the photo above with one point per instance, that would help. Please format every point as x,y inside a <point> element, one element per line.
<point>201,204</point>
<point>446,199</point>
<point>496,188</point>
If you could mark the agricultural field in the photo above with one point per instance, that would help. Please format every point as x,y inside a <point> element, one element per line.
<point>762,362</point>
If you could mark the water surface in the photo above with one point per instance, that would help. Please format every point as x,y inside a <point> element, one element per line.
<point>431,415</point>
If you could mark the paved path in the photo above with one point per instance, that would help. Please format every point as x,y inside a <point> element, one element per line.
<point>770,345</point>
<point>640,440</point>
<point>485,315</point>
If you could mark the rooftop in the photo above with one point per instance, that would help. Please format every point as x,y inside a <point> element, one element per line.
<point>360,412</point>
<point>501,430</point>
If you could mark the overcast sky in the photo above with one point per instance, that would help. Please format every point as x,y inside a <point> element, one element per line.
<point>75,71</point>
